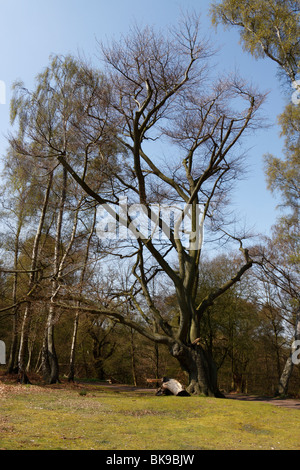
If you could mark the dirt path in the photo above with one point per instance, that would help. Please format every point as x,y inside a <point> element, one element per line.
<point>5,389</point>
<point>287,403</point>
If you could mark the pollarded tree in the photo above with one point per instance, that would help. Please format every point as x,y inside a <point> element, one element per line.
<point>111,134</point>
<point>160,95</point>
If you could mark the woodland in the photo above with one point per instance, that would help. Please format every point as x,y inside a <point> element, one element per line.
<point>157,127</point>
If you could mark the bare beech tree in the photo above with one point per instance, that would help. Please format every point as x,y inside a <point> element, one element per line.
<point>157,130</point>
<point>161,100</point>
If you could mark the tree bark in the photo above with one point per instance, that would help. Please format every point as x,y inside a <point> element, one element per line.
<point>201,369</point>
<point>23,347</point>
<point>71,374</point>
<point>51,352</point>
<point>282,387</point>
<point>133,358</point>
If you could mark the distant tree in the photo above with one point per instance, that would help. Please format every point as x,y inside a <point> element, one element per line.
<point>103,346</point>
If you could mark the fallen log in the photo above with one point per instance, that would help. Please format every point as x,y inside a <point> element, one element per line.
<point>172,387</point>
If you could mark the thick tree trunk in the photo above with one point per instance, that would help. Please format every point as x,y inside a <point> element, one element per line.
<point>200,367</point>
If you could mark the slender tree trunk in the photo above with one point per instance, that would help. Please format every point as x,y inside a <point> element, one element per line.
<point>45,367</point>
<point>30,349</point>
<point>53,377</point>
<point>76,319</point>
<point>133,358</point>
<point>23,347</point>
<point>14,340</point>
<point>156,352</point>
<point>282,387</point>
<point>38,362</point>
<point>14,343</point>
<point>51,352</point>
<point>71,374</point>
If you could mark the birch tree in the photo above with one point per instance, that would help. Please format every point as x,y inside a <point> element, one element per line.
<point>54,119</point>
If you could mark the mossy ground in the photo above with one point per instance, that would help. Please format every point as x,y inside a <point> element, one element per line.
<point>94,417</point>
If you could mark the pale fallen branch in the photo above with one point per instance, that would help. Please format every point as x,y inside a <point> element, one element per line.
<point>172,387</point>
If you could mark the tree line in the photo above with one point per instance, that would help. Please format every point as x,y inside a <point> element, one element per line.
<point>154,129</point>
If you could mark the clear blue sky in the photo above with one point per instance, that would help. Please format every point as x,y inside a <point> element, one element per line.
<point>31,30</point>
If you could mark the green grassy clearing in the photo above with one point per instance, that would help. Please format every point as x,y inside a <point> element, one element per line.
<point>97,418</point>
